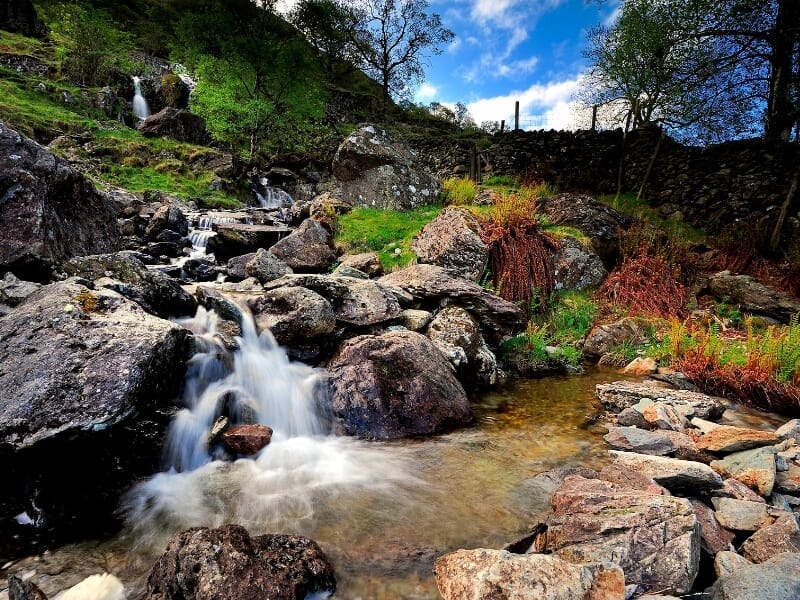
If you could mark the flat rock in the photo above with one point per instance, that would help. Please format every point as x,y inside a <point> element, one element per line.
<point>483,574</point>
<point>753,297</point>
<point>754,468</point>
<point>775,579</point>
<point>726,439</point>
<point>727,562</point>
<point>246,439</point>
<point>620,395</point>
<point>638,440</point>
<point>782,536</point>
<point>672,473</point>
<point>741,515</point>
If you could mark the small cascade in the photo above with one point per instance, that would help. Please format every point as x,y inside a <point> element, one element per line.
<point>204,231</point>
<point>271,197</point>
<point>140,107</point>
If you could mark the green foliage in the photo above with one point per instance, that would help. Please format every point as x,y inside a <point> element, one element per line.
<point>460,191</point>
<point>572,315</point>
<point>384,232</point>
<point>503,181</point>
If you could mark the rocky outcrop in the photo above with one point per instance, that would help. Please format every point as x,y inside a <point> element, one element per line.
<point>180,125</point>
<point>452,241</point>
<point>576,266</point>
<point>308,248</point>
<point>235,239</point>
<point>19,16</point>
<point>167,217</point>
<point>206,564</point>
<point>372,169</point>
<point>395,385</point>
<point>84,377</point>
<point>431,285</point>
<point>486,574</point>
<point>49,212</point>
<point>753,297</point>
<point>619,395</point>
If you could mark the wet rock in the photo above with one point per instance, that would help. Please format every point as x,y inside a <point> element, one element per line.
<point>754,468</point>
<point>452,241</point>
<point>660,415</point>
<point>49,212</point>
<point>781,536</point>
<point>206,564</point>
<point>638,440</point>
<point>367,262</point>
<point>372,169</point>
<point>727,562</point>
<point>653,538</point>
<point>741,515</point>
<point>237,266</point>
<point>19,589</point>
<point>775,579</point>
<point>498,318</point>
<point>674,474</point>
<point>395,385</point>
<point>85,375</point>
<point>576,266</point>
<point>167,217</point>
<point>265,266</point>
<point>246,439</point>
<point>13,291</point>
<point>605,337</point>
<point>713,538</point>
<point>727,439</point>
<point>235,239</point>
<point>619,395</point>
<point>354,301</point>
<point>641,366</point>
<point>308,248</point>
<point>175,123</point>
<point>753,297</point>
<point>485,574</point>
<point>600,223</point>
<point>124,273</point>
<point>293,314</point>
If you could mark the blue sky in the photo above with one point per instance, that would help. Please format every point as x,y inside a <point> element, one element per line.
<point>508,50</point>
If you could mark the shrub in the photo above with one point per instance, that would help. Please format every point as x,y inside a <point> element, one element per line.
<point>459,191</point>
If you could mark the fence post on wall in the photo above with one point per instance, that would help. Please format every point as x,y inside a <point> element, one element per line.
<point>516,115</point>
<point>594,118</point>
<point>502,125</point>
<point>473,163</point>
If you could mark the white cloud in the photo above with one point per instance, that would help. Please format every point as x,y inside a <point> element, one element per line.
<point>426,92</point>
<point>541,106</point>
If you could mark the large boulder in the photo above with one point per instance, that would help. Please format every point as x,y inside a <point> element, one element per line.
<point>395,385</point>
<point>19,16</point>
<point>775,579</point>
<point>308,248</point>
<point>576,266</point>
<point>753,297</point>
<point>264,266</point>
<point>600,223</point>
<point>619,395</point>
<point>293,314</point>
<point>122,272</point>
<point>486,574</point>
<point>372,169</point>
<point>207,564</point>
<point>180,125</point>
<point>235,239</point>
<point>49,212</point>
<point>167,217</point>
<point>85,376</point>
<point>434,285</point>
<point>452,241</point>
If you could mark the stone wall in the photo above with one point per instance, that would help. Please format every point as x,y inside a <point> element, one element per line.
<point>708,187</point>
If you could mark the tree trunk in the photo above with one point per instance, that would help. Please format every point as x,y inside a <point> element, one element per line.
<point>781,110</point>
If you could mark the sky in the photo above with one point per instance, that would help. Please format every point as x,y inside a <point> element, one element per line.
<point>509,50</point>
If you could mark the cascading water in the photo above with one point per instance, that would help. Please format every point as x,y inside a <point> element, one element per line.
<point>204,230</point>
<point>140,107</point>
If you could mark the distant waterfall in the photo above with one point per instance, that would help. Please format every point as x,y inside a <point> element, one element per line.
<point>140,107</point>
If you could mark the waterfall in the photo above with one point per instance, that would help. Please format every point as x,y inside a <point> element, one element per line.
<point>140,106</point>
<point>271,197</point>
<point>200,235</point>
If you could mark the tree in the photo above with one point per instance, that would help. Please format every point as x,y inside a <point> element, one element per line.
<point>391,38</point>
<point>706,69</point>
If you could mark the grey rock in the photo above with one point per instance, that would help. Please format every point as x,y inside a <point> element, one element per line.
<point>345,271</point>
<point>790,429</point>
<point>754,468</point>
<point>13,291</point>
<point>674,474</point>
<point>620,395</point>
<point>634,439</point>
<point>605,337</point>
<point>452,241</point>
<point>178,124</point>
<point>775,579</point>
<point>237,266</point>
<point>265,266</point>
<point>741,515</point>
<point>19,589</point>
<point>713,538</point>
<point>293,314</point>
<point>235,239</point>
<point>727,562</point>
<point>308,248</point>
<point>753,297</point>
<point>167,217</point>
<point>576,266</point>
<point>367,262</point>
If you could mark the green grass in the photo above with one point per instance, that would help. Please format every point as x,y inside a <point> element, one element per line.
<point>460,191</point>
<point>14,43</point>
<point>641,210</point>
<point>384,232</point>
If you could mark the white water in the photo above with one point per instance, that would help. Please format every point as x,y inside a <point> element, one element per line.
<point>140,107</point>
<point>204,231</point>
<point>273,197</point>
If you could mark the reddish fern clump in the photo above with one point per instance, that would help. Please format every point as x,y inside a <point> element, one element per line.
<point>645,285</point>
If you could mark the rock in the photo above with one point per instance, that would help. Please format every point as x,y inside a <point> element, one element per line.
<point>775,579</point>
<point>13,291</point>
<point>19,16</point>
<point>415,320</point>
<point>372,169</point>
<point>225,309</point>
<point>727,562</point>
<point>674,474</point>
<point>354,301</point>
<point>653,538</point>
<point>576,266</point>
<point>19,589</point>
<point>600,223</point>
<point>660,415</point>
<point>739,491</point>
<point>641,366</point>
<point>619,395</point>
<point>458,337</point>
<point>175,123</point>
<point>789,430</point>
<point>713,538</point>
<point>293,314</point>
<point>741,515</point>
<point>345,271</point>
<point>631,480</point>
<point>265,266</point>
<point>308,248</point>
<point>703,425</point>
<point>637,440</point>
<point>368,263</point>
<point>237,266</point>
<point>782,536</point>
<point>201,269</point>
<point>326,205</point>
<point>485,574</point>
<point>206,564</point>
<point>49,212</point>
<point>685,448</point>
<point>235,239</point>
<point>167,217</point>
<point>85,376</point>
<point>754,468</point>
<point>99,587</point>
<point>246,439</point>
<point>727,439</point>
<point>395,385</point>
<point>452,241</point>
<point>605,337</point>
<point>498,318</point>
<point>788,481</point>
<point>124,273</point>
<point>753,297</point>
<point>630,417</point>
